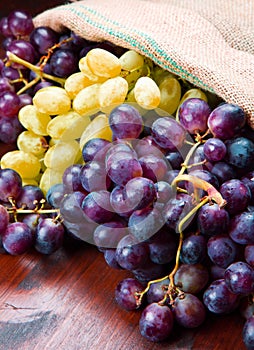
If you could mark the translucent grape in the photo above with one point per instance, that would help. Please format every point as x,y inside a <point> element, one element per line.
<point>147,93</point>
<point>33,120</point>
<point>96,206</point>
<point>49,178</point>
<point>103,63</point>
<point>26,164</point>
<point>87,100</point>
<point>67,126</point>
<point>62,155</point>
<point>52,100</point>
<point>112,92</point>
<point>170,94</point>
<point>83,66</point>
<point>76,82</point>
<point>30,142</point>
<point>132,66</point>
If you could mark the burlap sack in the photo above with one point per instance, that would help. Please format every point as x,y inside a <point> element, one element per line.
<point>210,43</point>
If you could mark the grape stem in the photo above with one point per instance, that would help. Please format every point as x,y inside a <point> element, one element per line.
<point>37,70</point>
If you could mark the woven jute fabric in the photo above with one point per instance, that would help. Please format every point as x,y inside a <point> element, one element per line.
<point>210,43</point>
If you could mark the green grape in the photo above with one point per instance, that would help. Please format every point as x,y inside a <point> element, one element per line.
<point>52,100</point>
<point>33,120</point>
<point>103,63</point>
<point>26,164</point>
<point>159,74</point>
<point>132,64</point>
<point>30,142</point>
<point>147,93</point>
<point>112,92</point>
<point>170,90</point>
<point>62,155</point>
<point>67,126</point>
<point>87,100</point>
<point>49,178</point>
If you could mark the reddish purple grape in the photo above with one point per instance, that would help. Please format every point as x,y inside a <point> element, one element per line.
<point>55,195</point>
<point>30,197</point>
<point>110,258</point>
<point>191,278</point>
<point>93,176</point>
<point>96,206</point>
<point>49,236</point>
<point>163,247</point>
<point>241,228</point>
<point>125,293</point>
<point>156,322</point>
<point>95,148</point>
<point>4,219</point>
<point>43,38</point>
<point>236,194</point>
<point>10,184</point>
<point>5,85</point>
<point>222,170</point>
<point>215,149</point>
<point>193,115</point>
<point>157,291</point>
<point>10,128</point>
<point>153,167</point>
<point>20,23</point>
<point>239,278</point>
<point>63,63</point>
<point>17,238</point>
<point>212,219</point>
<point>72,178</point>
<point>189,311</point>
<point>4,27</point>
<point>70,207</point>
<point>193,249</point>
<point>24,50</point>
<point>222,250</point>
<point>248,333</point>
<point>109,234</point>
<point>9,104</point>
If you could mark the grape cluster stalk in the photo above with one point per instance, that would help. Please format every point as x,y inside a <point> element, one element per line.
<point>113,150</point>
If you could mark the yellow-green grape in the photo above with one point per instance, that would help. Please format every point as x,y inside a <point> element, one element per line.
<point>62,155</point>
<point>87,100</point>
<point>192,93</point>
<point>88,73</point>
<point>49,178</point>
<point>170,90</point>
<point>132,66</point>
<point>103,63</point>
<point>30,142</point>
<point>99,127</point>
<point>52,100</point>
<point>112,92</point>
<point>159,74</point>
<point>67,126</point>
<point>26,164</point>
<point>76,82</point>
<point>33,120</point>
<point>147,93</point>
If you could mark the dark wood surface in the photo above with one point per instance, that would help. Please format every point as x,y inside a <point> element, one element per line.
<point>66,301</point>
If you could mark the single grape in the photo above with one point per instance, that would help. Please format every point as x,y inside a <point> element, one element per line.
<point>215,149</point>
<point>20,23</point>
<point>222,250</point>
<point>10,129</point>
<point>9,104</point>
<point>212,219</point>
<point>103,63</point>
<point>249,254</point>
<point>109,234</point>
<point>110,258</point>
<point>30,197</point>
<point>191,278</point>
<point>162,247</point>
<point>63,63</point>
<point>189,311</point>
<point>175,159</point>
<point>193,115</point>
<point>96,206</point>
<point>157,291</point>
<point>175,210</point>
<point>4,27</point>
<point>52,100</point>
<point>72,178</point>
<point>93,176</point>
<point>125,293</point>
<point>193,249</point>
<point>10,184</point>
<point>236,194</point>
<point>147,93</point>
<point>153,167</point>
<point>49,236</point>
<point>248,180</point>
<point>43,38</point>
<point>156,322</point>
<point>70,206</point>
<point>112,92</point>
<point>5,85</point>
<point>4,219</point>
<point>164,192</point>
<point>248,333</point>
<point>241,228</point>
<point>17,238</point>
<point>96,148</point>
<point>150,271</point>
<point>24,50</point>
<point>222,170</point>
<point>239,278</point>
<point>55,195</point>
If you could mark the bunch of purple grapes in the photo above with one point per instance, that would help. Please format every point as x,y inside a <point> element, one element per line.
<point>57,54</point>
<point>123,200</point>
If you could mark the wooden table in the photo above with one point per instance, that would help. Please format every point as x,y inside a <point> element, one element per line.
<point>66,301</point>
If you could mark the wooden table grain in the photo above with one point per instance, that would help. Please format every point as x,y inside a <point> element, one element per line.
<point>65,301</point>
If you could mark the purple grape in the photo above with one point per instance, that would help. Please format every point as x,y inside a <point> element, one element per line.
<point>4,27</point>
<point>30,197</point>
<point>20,23</point>
<point>216,272</point>
<point>150,271</point>
<point>189,311</point>
<point>9,104</point>
<point>212,219</point>
<point>31,220</point>
<point>110,258</point>
<point>95,148</point>
<point>157,291</point>
<point>240,152</point>
<point>43,38</point>
<point>4,219</point>
<point>249,254</point>
<point>5,85</point>
<point>125,122</point>
<point>63,63</point>
<point>193,115</point>
<point>239,278</point>
<point>164,192</point>
<point>222,170</point>
<point>144,223</point>
<point>175,159</point>
<point>96,206</point>
<point>221,250</point>
<point>17,238</point>
<point>215,149</point>
<point>193,249</point>
<point>241,228</point>
<point>24,50</point>
<point>168,133</point>
<point>226,120</point>
<point>130,254</point>
<point>41,85</point>
<point>175,210</point>
<point>25,99</point>
<point>246,307</point>
<point>10,128</point>
<point>81,230</point>
<point>204,175</point>
<point>156,322</point>
<point>72,178</point>
<point>236,194</point>
<point>93,176</point>
<point>248,180</point>
<point>191,278</point>
<point>248,333</point>
<point>10,184</point>
<point>153,167</point>
<point>119,202</point>
<point>49,236</point>
<point>163,247</point>
<point>219,299</point>
<point>109,234</point>
<point>147,146</point>
<point>55,195</point>
<point>125,293</point>
<point>70,207</point>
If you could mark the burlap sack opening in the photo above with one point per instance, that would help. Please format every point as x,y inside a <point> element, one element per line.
<point>210,43</point>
